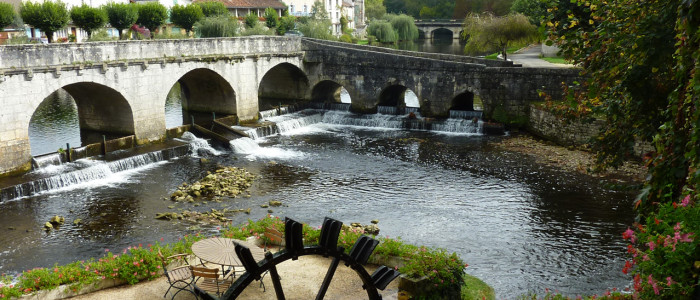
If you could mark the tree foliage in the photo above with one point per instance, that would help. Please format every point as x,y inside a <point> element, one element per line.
<point>185,16</point>
<point>487,32</point>
<point>88,18</point>
<point>216,26</point>
<point>642,62</point>
<point>318,11</point>
<point>534,10</point>
<point>374,9</point>
<point>251,20</point>
<point>286,23</point>
<point>7,14</point>
<point>121,15</point>
<point>48,16</point>
<point>152,15</point>
<point>212,8</point>
<point>383,31</point>
<point>271,18</point>
<point>405,27</point>
<point>317,29</point>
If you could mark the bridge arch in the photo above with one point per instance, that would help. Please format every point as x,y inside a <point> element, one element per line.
<point>101,110</point>
<point>285,83</point>
<point>329,91</point>
<point>467,100</point>
<point>442,33</point>
<point>398,95</point>
<point>203,91</point>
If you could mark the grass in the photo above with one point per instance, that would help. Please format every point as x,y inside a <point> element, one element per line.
<point>363,42</point>
<point>475,289</point>
<point>556,60</point>
<point>510,50</point>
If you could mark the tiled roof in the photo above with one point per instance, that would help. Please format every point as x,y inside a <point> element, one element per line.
<point>251,3</point>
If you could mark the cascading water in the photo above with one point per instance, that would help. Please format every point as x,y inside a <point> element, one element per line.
<point>252,151</point>
<point>86,170</point>
<point>387,110</point>
<point>465,114</point>
<point>266,114</point>
<point>43,161</point>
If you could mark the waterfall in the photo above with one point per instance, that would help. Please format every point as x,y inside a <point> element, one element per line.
<point>296,123</point>
<point>53,159</point>
<point>266,114</point>
<point>93,172</point>
<point>466,114</point>
<point>251,150</point>
<point>387,110</point>
<point>244,146</point>
<point>198,145</point>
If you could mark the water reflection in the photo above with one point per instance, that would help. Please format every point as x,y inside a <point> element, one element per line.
<point>54,123</point>
<point>446,46</point>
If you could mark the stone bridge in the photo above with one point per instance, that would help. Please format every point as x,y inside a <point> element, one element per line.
<point>120,88</point>
<point>431,27</point>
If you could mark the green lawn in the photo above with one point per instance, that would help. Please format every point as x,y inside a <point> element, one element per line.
<point>556,60</point>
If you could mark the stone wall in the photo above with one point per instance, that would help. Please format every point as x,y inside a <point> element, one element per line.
<point>547,126</point>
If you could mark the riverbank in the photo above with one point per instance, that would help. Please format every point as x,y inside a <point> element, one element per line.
<point>569,159</point>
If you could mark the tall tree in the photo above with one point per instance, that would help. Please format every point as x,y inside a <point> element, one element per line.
<point>487,32</point>
<point>286,23</point>
<point>641,62</point>
<point>405,27</point>
<point>88,18</point>
<point>186,16</point>
<point>375,9</point>
<point>7,14</point>
<point>121,15</point>
<point>212,8</point>
<point>318,11</point>
<point>152,15</point>
<point>48,16</point>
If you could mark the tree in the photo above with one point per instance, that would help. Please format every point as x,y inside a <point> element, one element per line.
<point>405,27</point>
<point>217,26</point>
<point>251,20</point>
<point>185,16</point>
<point>487,32</point>
<point>121,15</point>
<point>7,14</point>
<point>48,16</point>
<point>212,8</point>
<point>318,11</point>
<point>375,9</point>
<point>286,23</point>
<point>496,7</point>
<point>534,10</point>
<point>88,18</point>
<point>383,31</point>
<point>641,69</point>
<point>152,15</point>
<point>317,29</point>
<point>271,18</point>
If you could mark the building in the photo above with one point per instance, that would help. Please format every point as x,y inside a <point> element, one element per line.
<point>300,8</point>
<point>241,8</point>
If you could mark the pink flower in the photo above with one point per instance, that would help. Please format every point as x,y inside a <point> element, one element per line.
<point>677,227</point>
<point>629,234</point>
<point>135,273</point>
<point>669,281</point>
<point>685,201</point>
<point>652,282</point>
<point>651,245</point>
<point>106,250</point>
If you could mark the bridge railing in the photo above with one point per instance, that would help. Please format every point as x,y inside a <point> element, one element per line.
<point>454,21</point>
<point>437,56</point>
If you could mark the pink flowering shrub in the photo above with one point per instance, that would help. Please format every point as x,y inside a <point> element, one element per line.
<point>665,261</point>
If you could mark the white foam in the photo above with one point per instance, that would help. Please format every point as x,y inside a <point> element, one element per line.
<point>253,151</point>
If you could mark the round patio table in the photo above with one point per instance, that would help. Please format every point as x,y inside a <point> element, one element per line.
<point>222,251</point>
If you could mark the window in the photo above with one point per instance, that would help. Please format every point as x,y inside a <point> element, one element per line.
<point>304,7</point>
<point>291,8</point>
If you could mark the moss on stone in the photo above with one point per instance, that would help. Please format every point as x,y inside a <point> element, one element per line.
<point>475,289</point>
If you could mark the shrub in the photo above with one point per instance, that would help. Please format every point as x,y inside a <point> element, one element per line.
<point>186,16</point>
<point>48,16</point>
<point>7,14</point>
<point>317,29</point>
<point>121,16</point>
<point>170,35</point>
<point>88,18</point>
<point>218,26</point>
<point>19,40</point>
<point>101,36</point>
<point>286,23</point>
<point>152,15</point>
<point>212,8</point>
<point>271,18</point>
<point>259,29</point>
<point>251,20</point>
<point>346,38</point>
<point>383,31</point>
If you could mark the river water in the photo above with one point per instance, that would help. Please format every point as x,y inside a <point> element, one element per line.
<point>520,226</point>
